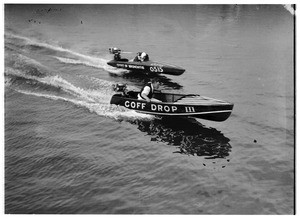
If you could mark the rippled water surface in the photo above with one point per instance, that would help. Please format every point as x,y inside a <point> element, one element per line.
<point>67,150</point>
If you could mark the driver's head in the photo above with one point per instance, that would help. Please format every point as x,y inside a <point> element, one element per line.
<point>155,82</point>
<point>143,55</point>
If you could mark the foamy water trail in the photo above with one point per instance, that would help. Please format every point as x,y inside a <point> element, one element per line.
<point>116,71</point>
<point>101,95</point>
<point>96,101</point>
<point>86,59</point>
<point>93,62</point>
<point>29,41</point>
<point>107,110</point>
<point>72,61</point>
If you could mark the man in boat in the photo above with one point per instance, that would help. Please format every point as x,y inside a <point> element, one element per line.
<point>138,57</point>
<point>141,57</point>
<point>148,90</point>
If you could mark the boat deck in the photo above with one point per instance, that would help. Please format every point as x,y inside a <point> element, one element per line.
<point>199,100</point>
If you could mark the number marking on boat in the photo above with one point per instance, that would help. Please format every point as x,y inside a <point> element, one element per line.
<point>156,69</point>
<point>189,109</point>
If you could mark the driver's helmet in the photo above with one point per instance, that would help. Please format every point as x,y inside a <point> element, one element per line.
<point>143,55</point>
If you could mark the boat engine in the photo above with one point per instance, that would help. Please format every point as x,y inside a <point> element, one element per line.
<point>114,50</point>
<point>119,87</point>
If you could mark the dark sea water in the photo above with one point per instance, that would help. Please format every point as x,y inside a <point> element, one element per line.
<point>67,150</point>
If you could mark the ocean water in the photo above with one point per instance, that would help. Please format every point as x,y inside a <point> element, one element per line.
<point>68,151</point>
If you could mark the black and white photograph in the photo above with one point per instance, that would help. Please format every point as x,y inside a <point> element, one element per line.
<point>133,108</point>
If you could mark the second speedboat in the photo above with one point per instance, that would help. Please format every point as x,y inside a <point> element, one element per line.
<point>147,66</point>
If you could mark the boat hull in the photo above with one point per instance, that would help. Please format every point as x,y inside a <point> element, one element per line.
<point>148,67</point>
<point>213,112</point>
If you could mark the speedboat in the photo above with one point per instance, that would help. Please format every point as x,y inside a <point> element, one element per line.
<point>186,105</point>
<point>148,66</point>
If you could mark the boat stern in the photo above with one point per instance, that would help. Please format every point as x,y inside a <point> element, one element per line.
<point>112,63</point>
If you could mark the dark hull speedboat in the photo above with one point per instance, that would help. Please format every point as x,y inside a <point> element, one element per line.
<point>176,105</point>
<point>146,66</point>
